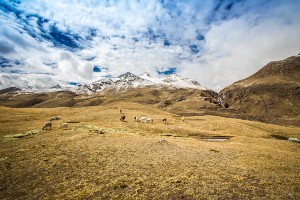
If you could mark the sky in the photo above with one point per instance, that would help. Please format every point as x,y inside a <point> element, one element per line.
<point>215,42</point>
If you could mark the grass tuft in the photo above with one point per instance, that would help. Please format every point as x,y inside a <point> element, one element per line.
<point>26,133</point>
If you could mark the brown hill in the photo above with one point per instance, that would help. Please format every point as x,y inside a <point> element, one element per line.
<point>10,89</point>
<point>271,95</point>
<point>177,101</point>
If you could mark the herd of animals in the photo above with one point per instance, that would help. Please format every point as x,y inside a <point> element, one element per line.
<point>143,119</point>
<point>48,124</point>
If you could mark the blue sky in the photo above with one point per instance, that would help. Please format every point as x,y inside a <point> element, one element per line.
<point>215,42</point>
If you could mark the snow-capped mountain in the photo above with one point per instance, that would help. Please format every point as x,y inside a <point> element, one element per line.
<point>117,84</point>
<point>177,81</point>
<point>32,82</point>
<point>147,76</point>
<point>129,80</point>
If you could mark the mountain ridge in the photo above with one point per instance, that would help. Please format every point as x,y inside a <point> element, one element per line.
<point>270,95</point>
<point>129,80</point>
<point>117,84</point>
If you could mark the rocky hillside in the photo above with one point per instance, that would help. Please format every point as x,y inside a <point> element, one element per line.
<point>272,94</point>
<point>181,101</point>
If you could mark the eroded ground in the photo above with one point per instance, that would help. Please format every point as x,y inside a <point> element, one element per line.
<point>143,161</point>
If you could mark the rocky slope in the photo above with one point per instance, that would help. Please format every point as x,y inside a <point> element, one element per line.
<point>179,101</point>
<point>272,94</point>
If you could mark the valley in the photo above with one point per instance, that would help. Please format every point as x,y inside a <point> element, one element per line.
<point>100,157</point>
<point>271,95</point>
<point>149,100</point>
<point>240,143</point>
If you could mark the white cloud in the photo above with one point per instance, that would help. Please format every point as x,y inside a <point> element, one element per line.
<point>236,48</point>
<point>239,38</point>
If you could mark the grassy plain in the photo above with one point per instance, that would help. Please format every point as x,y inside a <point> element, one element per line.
<point>141,160</point>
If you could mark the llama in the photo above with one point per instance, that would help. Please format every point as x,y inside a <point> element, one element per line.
<point>143,119</point>
<point>122,118</point>
<point>64,125</point>
<point>149,119</point>
<point>182,118</point>
<point>135,119</point>
<point>46,125</point>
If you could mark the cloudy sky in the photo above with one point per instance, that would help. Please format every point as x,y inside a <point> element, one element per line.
<point>215,42</point>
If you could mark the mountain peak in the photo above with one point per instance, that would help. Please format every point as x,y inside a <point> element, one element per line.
<point>173,78</point>
<point>57,86</point>
<point>124,82</point>
<point>145,74</point>
<point>127,75</point>
<point>130,80</point>
<point>181,82</point>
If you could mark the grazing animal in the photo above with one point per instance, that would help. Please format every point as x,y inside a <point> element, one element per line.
<point>47,124</point>
<point>150,120</point>
<point>164,120</point>
<point>122,118</point>
<point>64,125</point>
<point>135,119</point>
<point>143,119</point>
<point>182,118</point>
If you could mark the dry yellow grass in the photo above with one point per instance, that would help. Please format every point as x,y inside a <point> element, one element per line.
<point>134,161</point>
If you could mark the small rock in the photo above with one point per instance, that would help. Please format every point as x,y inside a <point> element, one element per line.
<point>181,99</point>
<point>100,131</point>
<point>166,134</point>
<point>162,141</point>
<point>121,185</point>
<point>213,150</point>
<point>54,118</point>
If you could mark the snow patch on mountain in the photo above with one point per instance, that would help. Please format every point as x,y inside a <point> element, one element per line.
<point>177,81</point>
<point>32,82</point>
<point>44,83</point>
<point>148,77</point>
<point>129,80</point>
